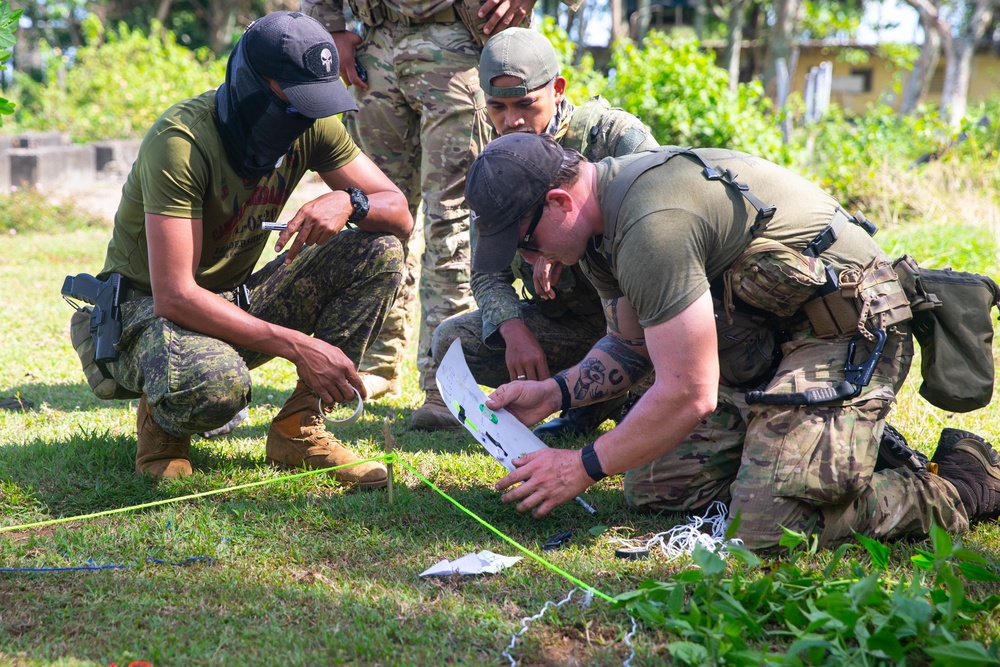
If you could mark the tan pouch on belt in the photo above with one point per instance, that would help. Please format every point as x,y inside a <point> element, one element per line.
<point>870,298</point>
<point>773,277</point>
<point>79,332</point>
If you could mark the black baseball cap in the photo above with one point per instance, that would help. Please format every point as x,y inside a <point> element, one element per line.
<point>296,51</point>
<point>507,180</point>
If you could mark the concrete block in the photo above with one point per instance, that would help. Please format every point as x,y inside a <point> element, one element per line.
<point>116,154</point>
<point>40,140</point>
<point>51,166</point>
<point>4,169</point>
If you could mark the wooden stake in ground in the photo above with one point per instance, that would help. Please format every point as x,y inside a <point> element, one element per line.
<point>390,447</point>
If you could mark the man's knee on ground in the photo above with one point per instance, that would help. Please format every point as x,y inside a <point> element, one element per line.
<point>444,335</point>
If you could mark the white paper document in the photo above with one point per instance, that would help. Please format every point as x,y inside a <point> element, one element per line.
<point>499,432</point>
<point>484,562</point>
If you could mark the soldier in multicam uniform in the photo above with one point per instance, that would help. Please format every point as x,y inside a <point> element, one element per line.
<point>510,338</point>
<point>422,120</point>
<point>677,246</point>
<point>188,234</point>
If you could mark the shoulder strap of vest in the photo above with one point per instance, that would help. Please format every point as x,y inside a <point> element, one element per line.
<point>584,117</point>
<point>622,183</point>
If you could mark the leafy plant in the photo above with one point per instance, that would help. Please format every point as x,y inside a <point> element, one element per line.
<point>676,89</point>
<point>8,23</point>
<point>118,84</point>
<point>840,614</point>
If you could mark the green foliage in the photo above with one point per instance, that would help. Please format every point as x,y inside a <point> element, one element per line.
<point>116,89</point>
<point>676,88</point>
<point>8,23</point>
<point>834,615</point>
<point>30,211</point>
<point>826,19</point>
<point>843,154</point>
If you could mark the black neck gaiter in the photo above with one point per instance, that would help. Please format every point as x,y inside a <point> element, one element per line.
<point>255,124</point>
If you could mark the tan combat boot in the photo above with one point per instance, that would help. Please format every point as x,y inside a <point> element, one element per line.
<point>434,415</point>
<point>158,453</point>
<point>298,438</point>
<point>377,386</point>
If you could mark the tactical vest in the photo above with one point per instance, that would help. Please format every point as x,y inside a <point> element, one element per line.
<point>769,279</point>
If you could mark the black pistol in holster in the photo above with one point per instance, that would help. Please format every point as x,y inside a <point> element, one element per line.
<point>105,316</point>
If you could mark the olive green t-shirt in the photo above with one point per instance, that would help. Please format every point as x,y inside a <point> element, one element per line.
<point>182,172</point>
<point>677,231</point>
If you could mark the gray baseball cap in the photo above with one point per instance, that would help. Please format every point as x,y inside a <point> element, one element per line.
<point>296,51</point>
<point>507,180</point>
<point>519,52</point>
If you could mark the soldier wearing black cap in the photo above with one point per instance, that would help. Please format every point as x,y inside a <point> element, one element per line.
<point>189,231</point>
<point>683,245</point>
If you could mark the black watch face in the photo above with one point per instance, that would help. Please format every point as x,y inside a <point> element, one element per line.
<point>359,202</point>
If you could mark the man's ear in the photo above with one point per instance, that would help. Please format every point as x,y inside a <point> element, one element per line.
<point>559,88</point>
<point>561,199</point>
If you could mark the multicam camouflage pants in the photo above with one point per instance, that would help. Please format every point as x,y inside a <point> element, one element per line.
<point>808,468</point>
<point>565,340</point>
<point>423,121</point>
<point>339,292</point>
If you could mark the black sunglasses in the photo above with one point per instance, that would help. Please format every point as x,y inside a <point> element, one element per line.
<point>525,243</point>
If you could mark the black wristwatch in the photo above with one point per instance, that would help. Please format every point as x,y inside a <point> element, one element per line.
<point>359,202</point>
<point>591,463</point>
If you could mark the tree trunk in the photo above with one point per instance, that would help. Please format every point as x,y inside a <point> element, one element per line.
<point>163,10</point>
<point>779,39</point>
<point>919,82</point>
<point>642,16</point>
<point>619,22</point>
<point>700,16</point>
<point>734,41</point>
<point>954,97</point>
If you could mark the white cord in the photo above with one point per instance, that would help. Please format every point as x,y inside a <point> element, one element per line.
<point>588,596</point>
<point>628,642</point>
<point>708,530</point>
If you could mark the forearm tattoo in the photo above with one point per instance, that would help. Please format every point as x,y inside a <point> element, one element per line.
<point>596,381</point>
<point>635,364</point>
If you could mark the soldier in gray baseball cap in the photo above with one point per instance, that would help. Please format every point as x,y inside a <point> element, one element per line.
<point>511,337</point>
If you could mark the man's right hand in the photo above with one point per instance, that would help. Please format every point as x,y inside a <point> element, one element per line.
<point>347,42</point>
<point>525,357</point>
<point>327,371</point>
<point>545,275</point>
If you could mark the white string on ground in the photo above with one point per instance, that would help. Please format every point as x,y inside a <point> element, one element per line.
<point>708,530</point>
<point>628,642</point>
<point>588,597</point>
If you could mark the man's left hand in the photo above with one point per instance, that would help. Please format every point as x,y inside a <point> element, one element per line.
<point>549,477</point>
<point>504,13</point>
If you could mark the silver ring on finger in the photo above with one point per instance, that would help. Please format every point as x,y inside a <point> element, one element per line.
<point>521,377</point>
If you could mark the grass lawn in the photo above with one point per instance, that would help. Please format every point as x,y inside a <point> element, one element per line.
<point>301,571</point>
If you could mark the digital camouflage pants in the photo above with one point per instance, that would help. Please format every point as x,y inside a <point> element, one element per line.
<point>423,121</point>
<point>808,468</point>
<point>339,292</point>
<point>565,340</point>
